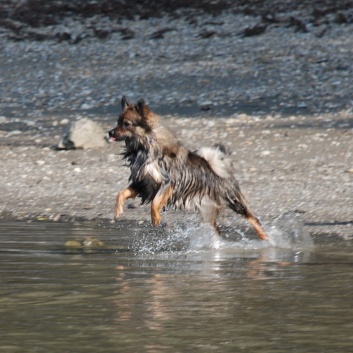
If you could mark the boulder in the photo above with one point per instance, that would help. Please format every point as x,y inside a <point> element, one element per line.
<point>84,133</point>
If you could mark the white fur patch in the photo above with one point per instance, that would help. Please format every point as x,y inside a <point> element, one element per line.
<point>153,170</point>
<point>217,161</point>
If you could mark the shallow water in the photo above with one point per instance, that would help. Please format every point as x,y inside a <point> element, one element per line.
<point>171,290</point>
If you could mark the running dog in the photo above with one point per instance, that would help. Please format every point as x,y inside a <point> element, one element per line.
<point>165,173</point>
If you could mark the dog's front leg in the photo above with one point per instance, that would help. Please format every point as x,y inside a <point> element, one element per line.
<point>122,196</point>
<point>159,201</point>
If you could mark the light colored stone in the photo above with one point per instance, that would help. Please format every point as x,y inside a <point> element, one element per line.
<point>84,133</point>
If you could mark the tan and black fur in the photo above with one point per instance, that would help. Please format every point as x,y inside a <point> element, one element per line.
<point>165,173</point>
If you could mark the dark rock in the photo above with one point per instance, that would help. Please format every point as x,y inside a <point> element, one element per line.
<point>299,24</point>
<point>160,33</point>
<point>127,33</point>
<point>255,31</point>
<point>207,34</point>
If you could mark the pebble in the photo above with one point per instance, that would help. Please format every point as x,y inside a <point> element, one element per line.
<point>13,133</point>
<point>56,217</point>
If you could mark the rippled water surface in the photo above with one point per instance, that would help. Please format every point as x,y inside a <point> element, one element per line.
<point>129,288</point>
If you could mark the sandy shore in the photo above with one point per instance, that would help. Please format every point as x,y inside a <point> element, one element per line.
<point>281,165</point>
<point>281,101</point>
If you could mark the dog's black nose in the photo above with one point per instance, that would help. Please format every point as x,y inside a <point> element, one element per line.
<point>111,134</point>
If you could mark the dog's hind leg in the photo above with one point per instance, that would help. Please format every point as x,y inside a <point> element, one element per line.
<point>122,196</point>
<point>209,212</point>
<point>238,204</point>
<point>257,226</point>
<point>159,201</point>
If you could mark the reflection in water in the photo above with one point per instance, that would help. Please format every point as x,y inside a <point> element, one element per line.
<point>189,294</point>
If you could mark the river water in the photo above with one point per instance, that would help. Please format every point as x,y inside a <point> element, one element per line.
<point>129,288</point>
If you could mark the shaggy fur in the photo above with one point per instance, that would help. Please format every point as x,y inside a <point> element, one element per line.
<point>165,173</point>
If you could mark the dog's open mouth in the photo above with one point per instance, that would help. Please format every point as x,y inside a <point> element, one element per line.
<point>112,136</point>
<point>117,138</point>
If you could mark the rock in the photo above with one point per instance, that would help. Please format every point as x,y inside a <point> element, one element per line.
<point>64,121</point>
<point>255,31</point>
<point>73,244</point>
<point>3,120</point>
<point>92,242</point>
<point>83,133</point>
<point>13,133</point>
<point>86,242</point>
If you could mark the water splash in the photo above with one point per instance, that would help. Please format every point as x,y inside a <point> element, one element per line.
<point>176,237</point>
<point>288,232</point>
<point>202,237</point>
<point>160,240</point>
<point>190,237</point>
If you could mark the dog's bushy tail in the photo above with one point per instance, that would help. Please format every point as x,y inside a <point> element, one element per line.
<point>229,191</point>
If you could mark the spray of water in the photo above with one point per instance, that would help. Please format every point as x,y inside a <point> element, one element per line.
<point>287,232</point>
<point>176,237</point>
<point>189,236</point>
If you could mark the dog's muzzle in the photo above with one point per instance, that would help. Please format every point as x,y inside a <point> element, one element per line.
<point>112,136</point>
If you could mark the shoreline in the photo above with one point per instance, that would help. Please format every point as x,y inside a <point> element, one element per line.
<point>280,169</point>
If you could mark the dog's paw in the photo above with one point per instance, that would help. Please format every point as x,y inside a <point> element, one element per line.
<point>156,219</point>
<point>118,212</point>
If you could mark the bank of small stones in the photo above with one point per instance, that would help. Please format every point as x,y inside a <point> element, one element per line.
<point>243,59</point>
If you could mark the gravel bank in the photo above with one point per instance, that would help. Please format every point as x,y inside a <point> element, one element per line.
<point>281,99</point>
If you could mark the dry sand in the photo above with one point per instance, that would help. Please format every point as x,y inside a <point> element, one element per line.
<point>281,165</point>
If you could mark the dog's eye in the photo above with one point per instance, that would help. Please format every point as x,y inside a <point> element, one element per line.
<point>126,124</point>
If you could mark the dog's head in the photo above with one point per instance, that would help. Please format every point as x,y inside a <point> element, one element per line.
<point>136,121</point>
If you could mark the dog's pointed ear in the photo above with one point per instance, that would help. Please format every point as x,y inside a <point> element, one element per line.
<point>124,103</point>
<point>148,118</point>
<point>143,109</point>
